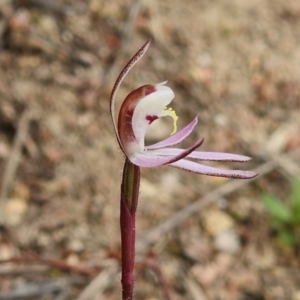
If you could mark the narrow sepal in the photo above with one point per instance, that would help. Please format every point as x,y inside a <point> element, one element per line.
<point>146,159</point>
<point>211,171</point>
<point>118,82</point>
<point>204,156</point>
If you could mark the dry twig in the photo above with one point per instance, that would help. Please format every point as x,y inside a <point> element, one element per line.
<point>152,262</point>
<point>95,290</point>
<point>37,289</point>
<point>56,263</point>
<point>14,160</point>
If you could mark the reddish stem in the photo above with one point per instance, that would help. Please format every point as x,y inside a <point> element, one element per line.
<point>127,222</point>
<point>129,199</point>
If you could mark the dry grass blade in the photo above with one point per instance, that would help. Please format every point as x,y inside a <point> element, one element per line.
<point>95,290</point>
<point>14,159</point>
<point>195,289</point>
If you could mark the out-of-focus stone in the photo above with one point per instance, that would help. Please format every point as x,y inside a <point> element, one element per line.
<point>228,241</point>
<point>208,273</point>
<point>15,209</point>
<point>216,221</point>
<point>21,191</point>
<point>296,295</point>
<point>263,257</point>
<point>279,139</point>
<point>76,245</point>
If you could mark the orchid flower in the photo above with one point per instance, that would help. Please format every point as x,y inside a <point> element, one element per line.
<point>149,103</point>
<point>139,109</point>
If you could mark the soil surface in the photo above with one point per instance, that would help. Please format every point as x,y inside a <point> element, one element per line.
<point>234,63</point>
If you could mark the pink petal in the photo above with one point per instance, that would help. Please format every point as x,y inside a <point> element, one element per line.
<point>148,159</point>
<point>151,106</point>
<point>205,156</point>
<point>211,171</point>
<point>177,137</point>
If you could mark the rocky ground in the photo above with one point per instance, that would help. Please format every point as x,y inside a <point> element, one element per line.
<point>235,63</point>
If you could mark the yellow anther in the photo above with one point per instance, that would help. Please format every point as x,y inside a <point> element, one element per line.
<point>168,111</point>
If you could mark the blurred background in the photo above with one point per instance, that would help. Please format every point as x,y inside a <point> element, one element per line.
<point>235,63</point>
